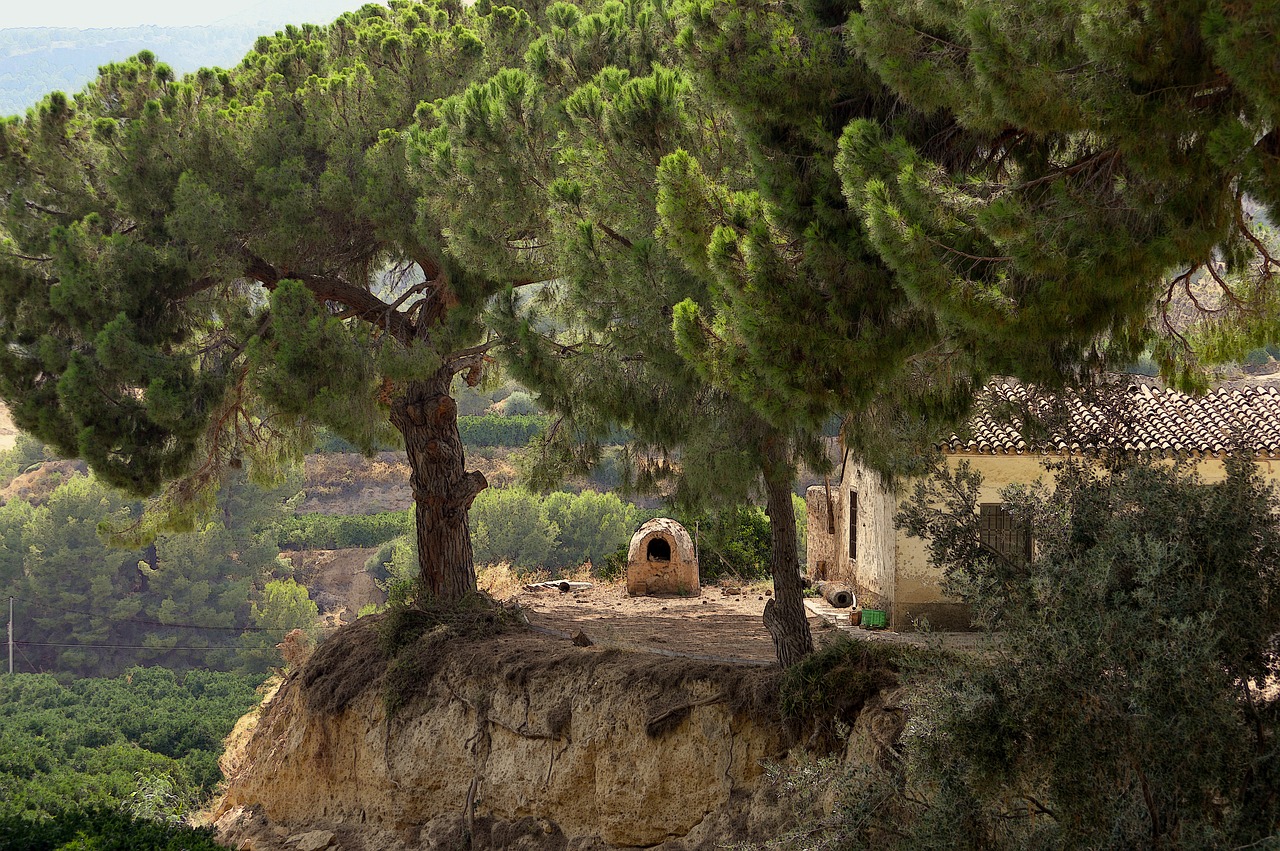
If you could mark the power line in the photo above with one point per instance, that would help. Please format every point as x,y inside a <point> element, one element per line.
<point>142,622</point>
<point>129,646</point>
<point>30,664</point>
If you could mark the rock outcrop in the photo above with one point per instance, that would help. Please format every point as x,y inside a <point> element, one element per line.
<point>513,742</point>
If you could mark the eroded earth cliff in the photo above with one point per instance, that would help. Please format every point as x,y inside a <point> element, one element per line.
<point>515,741</point>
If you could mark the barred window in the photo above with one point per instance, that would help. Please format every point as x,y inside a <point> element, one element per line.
<point>1004,532</point>
<point>853,525</point>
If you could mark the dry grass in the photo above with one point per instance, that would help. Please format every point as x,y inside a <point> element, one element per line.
<point>581,573</point>
<point>503,581</point>
<point>344,666</point>
<point>342,473</point>
<point>759,587</point>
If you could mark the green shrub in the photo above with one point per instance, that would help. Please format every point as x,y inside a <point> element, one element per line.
<point>592,525</point>
<point>494,430</point>
<point>528,531</point>
<point>1125,707</point>
<point>560,530</point>
<point>511,525</point>
<point>520,404</point>
<point>734,542</point>
<point>101,829</point>
<point>395,568</point>
<point>334,531</point>
<point>822,695</point>
<point>105,742</point>
<point>614,565</point>
<point>283,606</point>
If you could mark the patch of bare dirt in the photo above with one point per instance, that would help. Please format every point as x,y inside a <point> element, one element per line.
<point>351,484</point>
<point>36,485</point>
<point>724,622</point>
<point>8,431</point>
<point>337,581</point>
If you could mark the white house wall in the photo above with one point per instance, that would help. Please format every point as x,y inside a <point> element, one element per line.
<point>871,572</point>
<point>892,570</point>
<point>820,554</point>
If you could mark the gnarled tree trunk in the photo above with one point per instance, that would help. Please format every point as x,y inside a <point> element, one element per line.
<point>443,490</point>
<point>784,615</point>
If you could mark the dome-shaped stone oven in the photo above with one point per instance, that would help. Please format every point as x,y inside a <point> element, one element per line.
<point>662,560</point>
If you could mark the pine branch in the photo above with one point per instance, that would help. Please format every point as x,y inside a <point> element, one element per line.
<point>464,358</point>
<point>362,303</point>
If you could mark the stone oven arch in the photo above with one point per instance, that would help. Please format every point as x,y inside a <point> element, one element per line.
<point>658,549</point>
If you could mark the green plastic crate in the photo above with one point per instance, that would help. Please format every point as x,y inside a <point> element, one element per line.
<point>874,619</point>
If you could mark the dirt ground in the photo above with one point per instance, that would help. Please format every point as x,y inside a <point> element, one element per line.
<point>724,622</point>
<point>338,581</point>
<point>8,432</point>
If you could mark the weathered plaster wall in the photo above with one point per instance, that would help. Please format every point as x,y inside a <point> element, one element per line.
<point>920,598</point>
<point>891,570</point>
<point>871,573</point>
<point>919,586</point>
<point>822,523</point>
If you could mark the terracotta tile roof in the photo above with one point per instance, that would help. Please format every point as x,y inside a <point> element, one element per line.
<point>1137,418</point>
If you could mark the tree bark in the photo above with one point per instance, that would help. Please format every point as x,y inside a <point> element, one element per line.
<point>784,615</point>
<point>443,490</point>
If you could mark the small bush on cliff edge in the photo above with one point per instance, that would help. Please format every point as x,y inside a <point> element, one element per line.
<point>405,643</point>
<point>413,640</point>
<point>476,616</point>
<point>821,696</point>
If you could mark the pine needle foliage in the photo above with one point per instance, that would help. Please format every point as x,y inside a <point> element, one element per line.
<point>196,273</point>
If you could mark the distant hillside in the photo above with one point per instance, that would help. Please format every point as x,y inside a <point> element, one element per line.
<point>8,433</point>
<point>37,60</point>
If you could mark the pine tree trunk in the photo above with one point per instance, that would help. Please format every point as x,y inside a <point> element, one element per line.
<point>443,490</point>
<point>784,615</point>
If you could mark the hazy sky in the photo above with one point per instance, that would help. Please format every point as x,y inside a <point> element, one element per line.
<point>173,13</point>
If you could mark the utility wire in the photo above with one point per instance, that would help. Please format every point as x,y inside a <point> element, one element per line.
<point>142,622</point>
<point>129,646</point>
<point>30,664</point>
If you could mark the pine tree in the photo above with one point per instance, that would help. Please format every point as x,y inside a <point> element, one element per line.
<point>809,318</point>
<point>193,271</point>
<point>550,171</point>
<point>1108,157</point>
<point>953,190</point>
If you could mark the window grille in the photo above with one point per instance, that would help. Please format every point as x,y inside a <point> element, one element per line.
<point>853,525</point>
<point>1002,531</point>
